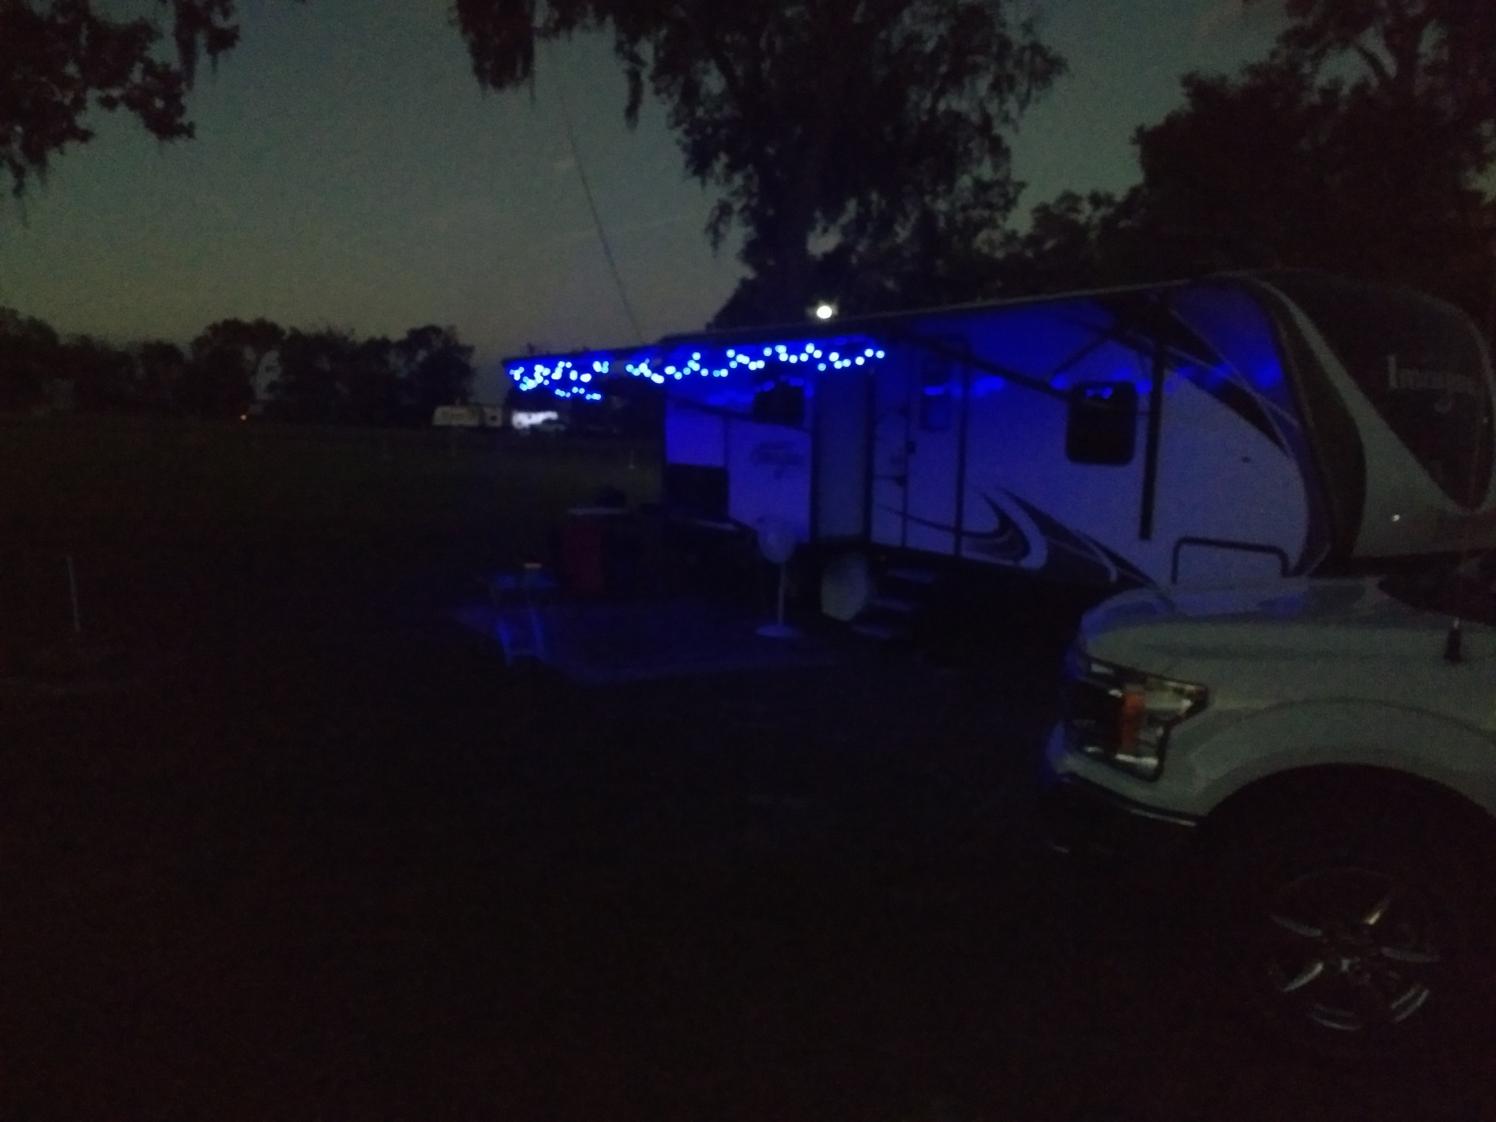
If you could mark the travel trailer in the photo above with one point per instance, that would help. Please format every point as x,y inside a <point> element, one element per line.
<point>1200,433</point>
<point>468,416</point>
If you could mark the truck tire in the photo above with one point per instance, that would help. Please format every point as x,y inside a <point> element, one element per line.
<point>1347,923</point>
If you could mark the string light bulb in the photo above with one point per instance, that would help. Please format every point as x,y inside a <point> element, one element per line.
<point>574,376</point>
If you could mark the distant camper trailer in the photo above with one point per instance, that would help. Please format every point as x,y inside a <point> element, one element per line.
<point>468,417</point>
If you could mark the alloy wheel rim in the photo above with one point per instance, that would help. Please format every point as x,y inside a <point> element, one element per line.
<point>1351,949</point>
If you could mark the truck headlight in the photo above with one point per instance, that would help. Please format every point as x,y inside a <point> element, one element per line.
<point>1124,716</point>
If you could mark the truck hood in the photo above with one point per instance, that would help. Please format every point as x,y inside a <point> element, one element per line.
<point>1285,622</point>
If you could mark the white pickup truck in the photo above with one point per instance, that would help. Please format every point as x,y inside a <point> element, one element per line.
<point>1324,752</point>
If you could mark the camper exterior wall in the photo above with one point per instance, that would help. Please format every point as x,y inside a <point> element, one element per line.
<point>1212,484</point>
<point>1198,434</point>
<point>767,465</point>
<point>1415,378</point>
<point>954,443</point>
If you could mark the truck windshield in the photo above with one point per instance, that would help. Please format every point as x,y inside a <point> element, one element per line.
<point>1421,365</point>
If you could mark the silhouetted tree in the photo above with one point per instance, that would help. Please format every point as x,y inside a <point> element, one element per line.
<point>1420,113</point>
<point>29,351</point>
<point>1437,57</point>
<point>103,376</point>
<point>1359,146</point>
<point>1077,241</point>
<point>61,59</point>
<point>161,368</point>
<point>214,385</point>
<point>311,388</point>
<point>369,372</point>
<point>833,129</point>
<point>219,381</point>
<point>436,369</point>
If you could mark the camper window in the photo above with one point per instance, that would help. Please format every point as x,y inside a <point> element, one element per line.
<point>1102,425</point>
<point>780,403</point>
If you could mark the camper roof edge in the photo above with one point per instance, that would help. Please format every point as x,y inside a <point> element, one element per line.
<point>818,329</point>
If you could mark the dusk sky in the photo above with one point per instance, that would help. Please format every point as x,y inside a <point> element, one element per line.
<point>348,172</point>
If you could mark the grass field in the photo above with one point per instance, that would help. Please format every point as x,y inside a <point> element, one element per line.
<point>77,481</point>
<point>167,520</point>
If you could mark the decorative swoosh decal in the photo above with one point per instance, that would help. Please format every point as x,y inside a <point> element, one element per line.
<point>1005,542</point>
<point>1024,537</point>
<point>1076,556</point>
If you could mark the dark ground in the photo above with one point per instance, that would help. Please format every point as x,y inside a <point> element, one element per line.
<point>324,858</point>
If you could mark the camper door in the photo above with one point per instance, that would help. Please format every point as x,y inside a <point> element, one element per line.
<point>918,449</point>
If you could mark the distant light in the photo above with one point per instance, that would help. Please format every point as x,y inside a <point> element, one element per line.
<point>533,418</point>
<point>244,416</point>
<point>824,311</point>
<point>1397,518</point>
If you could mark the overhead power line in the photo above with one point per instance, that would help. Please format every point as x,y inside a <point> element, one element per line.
<point>597,221</point>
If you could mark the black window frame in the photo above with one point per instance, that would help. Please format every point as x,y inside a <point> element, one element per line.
<point>1109,420</point>
<point>780,402</point>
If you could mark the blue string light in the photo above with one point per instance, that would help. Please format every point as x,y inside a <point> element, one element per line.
<point>570,376</point>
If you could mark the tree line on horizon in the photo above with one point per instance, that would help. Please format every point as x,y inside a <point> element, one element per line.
<point>235,368</point>
<point>858,148</point>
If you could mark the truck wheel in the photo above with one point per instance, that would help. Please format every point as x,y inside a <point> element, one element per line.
<point>1347,931</point>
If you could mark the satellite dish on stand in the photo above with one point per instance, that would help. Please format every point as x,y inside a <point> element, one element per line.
<point>777,542</point>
